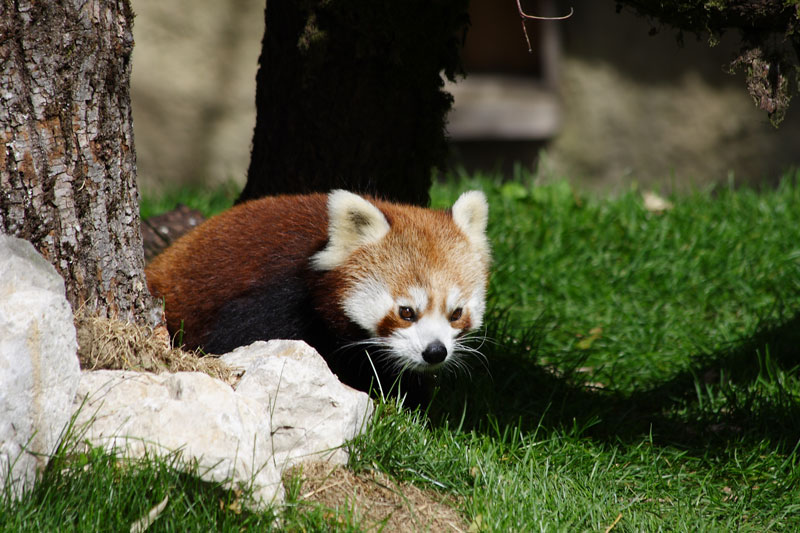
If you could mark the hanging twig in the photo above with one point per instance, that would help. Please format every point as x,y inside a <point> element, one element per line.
<point>524,16</point>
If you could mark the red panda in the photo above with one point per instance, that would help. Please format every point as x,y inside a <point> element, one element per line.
<point>347,274</point>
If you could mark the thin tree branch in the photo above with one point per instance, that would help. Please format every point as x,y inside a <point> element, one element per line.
<point>524,16</point>
<point>534,17</point>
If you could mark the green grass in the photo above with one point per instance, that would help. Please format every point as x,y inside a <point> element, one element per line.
<point>208,201</point>
<point>665,289</point>
<point>642,371</point>
<point>94,491</point>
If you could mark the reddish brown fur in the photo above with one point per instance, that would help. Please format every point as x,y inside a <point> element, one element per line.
<point>423,248</point>
<point>235,252</point>
<point>231,253</point>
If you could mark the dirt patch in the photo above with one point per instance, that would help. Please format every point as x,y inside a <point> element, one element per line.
<point>105,343</point>
<point>375,501</point>
<point>160,231</point>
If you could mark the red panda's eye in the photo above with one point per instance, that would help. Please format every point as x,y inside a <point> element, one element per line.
<point>406,313</point>
<point>456,314</point>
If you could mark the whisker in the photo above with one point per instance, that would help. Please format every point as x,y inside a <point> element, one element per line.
<point>466,348</point>
<point>470,352</point>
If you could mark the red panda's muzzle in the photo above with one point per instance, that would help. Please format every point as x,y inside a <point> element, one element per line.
<point>435,353</point>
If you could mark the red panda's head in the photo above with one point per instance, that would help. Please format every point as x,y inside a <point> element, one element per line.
<point>414,278</point>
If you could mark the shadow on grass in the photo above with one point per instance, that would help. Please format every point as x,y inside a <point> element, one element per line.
<point>732,396</point>
<point>93,489</point>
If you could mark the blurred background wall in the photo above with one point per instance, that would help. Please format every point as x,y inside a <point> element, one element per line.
<point>599,100</point>
<point>193,89</point>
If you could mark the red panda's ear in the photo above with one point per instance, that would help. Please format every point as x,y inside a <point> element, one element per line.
<point>352,223</point>
<point>471,214</point>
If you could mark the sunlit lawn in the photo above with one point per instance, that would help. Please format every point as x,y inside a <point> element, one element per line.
<point>641,372</point>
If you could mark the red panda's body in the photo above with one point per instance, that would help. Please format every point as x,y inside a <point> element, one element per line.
<point>341,272</point>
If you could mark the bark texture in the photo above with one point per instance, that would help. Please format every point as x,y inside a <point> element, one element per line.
<point>67,161</point>
<point>350,95</point>
<point>770,37</point>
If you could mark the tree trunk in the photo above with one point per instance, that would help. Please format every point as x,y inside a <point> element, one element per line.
<point>350,95</point>
<point>67,161</point>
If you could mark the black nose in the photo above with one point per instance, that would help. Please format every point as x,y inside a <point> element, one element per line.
<point>434,353</point>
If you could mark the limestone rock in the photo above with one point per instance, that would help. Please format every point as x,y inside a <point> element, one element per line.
<point>225,435</point>
<point>313,413</point>
<point>39,369</point>
<point>287,407</point>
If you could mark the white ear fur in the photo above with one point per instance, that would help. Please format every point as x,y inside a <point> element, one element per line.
<point>471,214</point>
<point>352,223</point>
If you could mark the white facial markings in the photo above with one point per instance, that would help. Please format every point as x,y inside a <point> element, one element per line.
<point>477,306</point>
<point>416,299</point>
<point>453,301</point>
<point>460,255</point>
<point>368,303</point>
<point>409,343</point>
<point>420,298</point>
<point>433,323</point>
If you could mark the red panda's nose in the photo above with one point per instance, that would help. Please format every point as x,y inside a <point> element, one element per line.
<point>435,353</point>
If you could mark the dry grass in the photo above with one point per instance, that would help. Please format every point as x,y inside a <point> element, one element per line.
<point>377,502</point>
<point>105,343</point>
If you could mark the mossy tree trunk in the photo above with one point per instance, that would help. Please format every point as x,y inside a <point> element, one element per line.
<point>350,95</point>
<point>67,162</point>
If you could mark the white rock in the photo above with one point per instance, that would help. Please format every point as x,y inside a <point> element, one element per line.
<point>287,407</point>
<point>39,369</point>
<point>225,435</point>
<point>313,413</point>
